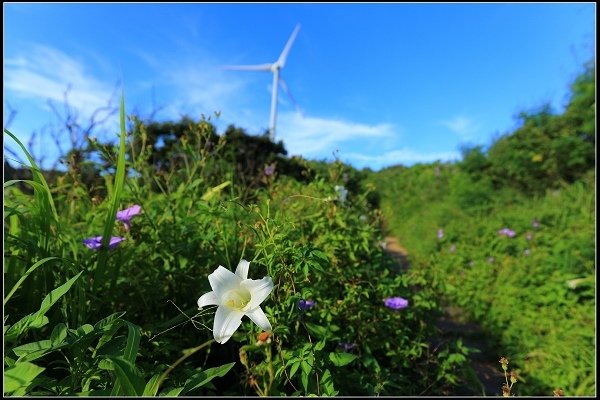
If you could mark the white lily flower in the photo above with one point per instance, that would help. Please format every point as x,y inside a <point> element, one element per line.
<point>236,296</point>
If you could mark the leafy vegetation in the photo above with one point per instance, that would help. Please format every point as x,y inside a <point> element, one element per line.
<point>123,319</point>
<point>508,234</point>
<point>504,234</point>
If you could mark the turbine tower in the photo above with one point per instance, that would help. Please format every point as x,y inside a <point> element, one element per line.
<point>275,68</point>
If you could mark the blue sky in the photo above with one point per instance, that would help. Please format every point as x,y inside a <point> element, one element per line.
<point>379,84</point>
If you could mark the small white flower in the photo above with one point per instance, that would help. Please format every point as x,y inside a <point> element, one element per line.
<point>236,296</point>
<point>342,193</point>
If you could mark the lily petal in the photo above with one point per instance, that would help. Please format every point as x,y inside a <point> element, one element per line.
<point>223,280</point>
<point>259,290</point>
<point>208,299</point>
<point>226,323</point>
<point>242,269</point>
<point>259,317</point>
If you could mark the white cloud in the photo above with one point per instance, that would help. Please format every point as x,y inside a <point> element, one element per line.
<point>43,73</point>
<point>402,156</point>
<point>463,126</point>
<point>197,85</point>
<point>320,137</point>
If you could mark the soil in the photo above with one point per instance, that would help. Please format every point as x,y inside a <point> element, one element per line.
<point>485,370</point>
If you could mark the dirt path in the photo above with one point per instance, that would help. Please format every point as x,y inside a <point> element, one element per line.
<point>487,376</point>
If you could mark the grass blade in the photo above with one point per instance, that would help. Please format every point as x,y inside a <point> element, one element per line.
<point>25,275</point>
<point>114,202</point>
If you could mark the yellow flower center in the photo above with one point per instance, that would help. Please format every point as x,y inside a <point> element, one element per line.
<point>237,299</point>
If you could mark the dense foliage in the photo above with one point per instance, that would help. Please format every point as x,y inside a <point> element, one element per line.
<point>508,234</point>
<point>98,303</point>
<point>124,320</point>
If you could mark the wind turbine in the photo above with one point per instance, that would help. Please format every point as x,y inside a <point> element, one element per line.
<point>275,68</point>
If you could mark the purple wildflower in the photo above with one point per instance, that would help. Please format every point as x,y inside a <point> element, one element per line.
<point>395,303</point>
<point>128,213</point>
<point>529,236</point>
<point>270,169</point>
<point>95,243</point>
<point>535,223</point>
<point>440,233</point>
<point>305,304</point>
<point>347,346</point>
<point>507,232</point>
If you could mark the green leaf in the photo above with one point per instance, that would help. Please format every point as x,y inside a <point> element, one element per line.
<point>304,380</point>
<point>38,319</point>
<point>20,376</point>
<point>59,334</point>
<point>56,294</point>
<point>173,392</point>
<point>106,364</point>
<point>317,330</point>
<point>133,342</point>
<point>294,368</point>
<point>38,177</point>
<point>129,378</point>
<point>202,378</point>
<point>341,359</point>
<point>114,203</point>
<point>31,347</point>
<point>104,323</point>
<point>25,275</point>
<point>214,191</point>
<point>327,384</point>
<point>94,393</point>
<point>152,386</point>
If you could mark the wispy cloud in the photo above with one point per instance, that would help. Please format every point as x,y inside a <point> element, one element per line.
<point>44,73</point>
<point>196,85</point>
<point>402,156</point>
<point>320,137</point>
<point>463,126</point>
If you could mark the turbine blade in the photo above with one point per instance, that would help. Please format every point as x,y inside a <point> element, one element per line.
<point>288,46</point>
<point>258,67</point>
<point>285,88</point>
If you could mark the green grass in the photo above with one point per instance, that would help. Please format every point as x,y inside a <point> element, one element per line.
<point>516,288</point>
<point>124,321</point>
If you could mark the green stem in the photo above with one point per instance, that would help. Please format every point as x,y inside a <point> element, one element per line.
<point>186,353</point>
